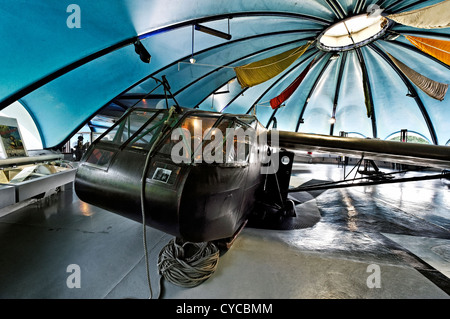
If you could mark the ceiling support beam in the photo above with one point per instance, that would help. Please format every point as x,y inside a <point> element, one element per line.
<point>141,96</point>
<point>313,88</point>
<point>227,64</point>
<point>336,8</point>
<point>358,7</point>
<point>211,93</point>
<point>159,71</point>
<point>380,3</point>
<point>234,98</point>
<point>416,50</point>
<point>392,5</point>
<point>276,110</point>
<point>411,90</point>
<point>338,88</point>
<point>232,62</point>
<point>272,117</point>
<point>435,35</point>
<point>362,63</point>
<point>409,6</point>
<point>174,63</point>
<point>120,104</point>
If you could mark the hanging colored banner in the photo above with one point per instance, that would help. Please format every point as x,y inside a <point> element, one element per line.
<point>283,96</point>
<point>260,71</point>
<point>432,17</point>
<point>366,89</point>
<point>439,49</point>
<point>434,89</point>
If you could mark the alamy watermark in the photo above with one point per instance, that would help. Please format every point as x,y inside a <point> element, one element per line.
<point>374,279</point>
<point>74,19</point>
<point>74,279</point>
<point>374,10</point>
<point>236,147</point>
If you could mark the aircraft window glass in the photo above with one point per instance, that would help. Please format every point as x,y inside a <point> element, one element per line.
<point>128,126</point>
<point>249,120</point>
<point>144,138</point>
<point>109,135</point>
<point>219,132</point>
<point>224,125</point>
<point>235,144</point>
<point>197,141</point>
<point>190,138</point>
<point>238,151</point>
<point>100,157</point>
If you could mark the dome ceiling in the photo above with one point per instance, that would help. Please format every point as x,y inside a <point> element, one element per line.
<point>65,74</point>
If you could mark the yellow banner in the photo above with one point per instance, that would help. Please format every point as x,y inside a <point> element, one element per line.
<point>260,71</point>
<point>439,49</point>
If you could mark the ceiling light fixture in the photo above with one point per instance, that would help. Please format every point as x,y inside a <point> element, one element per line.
<point>213,32</point>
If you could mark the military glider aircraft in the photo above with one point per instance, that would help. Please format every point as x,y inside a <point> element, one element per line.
<point>200,175</point>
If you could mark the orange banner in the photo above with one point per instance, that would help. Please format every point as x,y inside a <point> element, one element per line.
<point>439,49</point>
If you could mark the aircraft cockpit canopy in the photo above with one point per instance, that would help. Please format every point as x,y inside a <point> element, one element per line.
<point>191,136</point>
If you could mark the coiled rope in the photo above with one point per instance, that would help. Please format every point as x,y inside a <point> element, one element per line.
<point>188,264</point>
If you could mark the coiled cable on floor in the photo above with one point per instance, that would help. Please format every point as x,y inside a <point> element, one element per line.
<point>188,264</point>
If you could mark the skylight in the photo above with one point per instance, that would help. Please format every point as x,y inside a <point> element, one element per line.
<point>353,32</point>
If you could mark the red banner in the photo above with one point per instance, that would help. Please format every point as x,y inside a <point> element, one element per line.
<point>277,101</point>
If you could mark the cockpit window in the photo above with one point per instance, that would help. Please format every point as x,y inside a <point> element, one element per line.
<point>196,138</point>
<point>238,139</point>
<point>249,120</point>
<point>145,137</point>
<point>203,139</point>
<point>186,140</point>
<point>139,129</point>
<point>128,125</point>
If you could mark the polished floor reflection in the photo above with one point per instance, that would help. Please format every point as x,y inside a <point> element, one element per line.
<point>399,232</point>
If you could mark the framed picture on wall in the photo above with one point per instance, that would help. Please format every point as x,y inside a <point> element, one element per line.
<point>11,142</point>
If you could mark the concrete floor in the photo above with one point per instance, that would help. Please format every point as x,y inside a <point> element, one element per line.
<point>397,236</point>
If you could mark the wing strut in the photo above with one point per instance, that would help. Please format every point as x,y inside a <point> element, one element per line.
<point>374,179</point>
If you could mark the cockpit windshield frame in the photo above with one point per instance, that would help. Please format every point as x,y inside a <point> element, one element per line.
<point>244,121</point>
